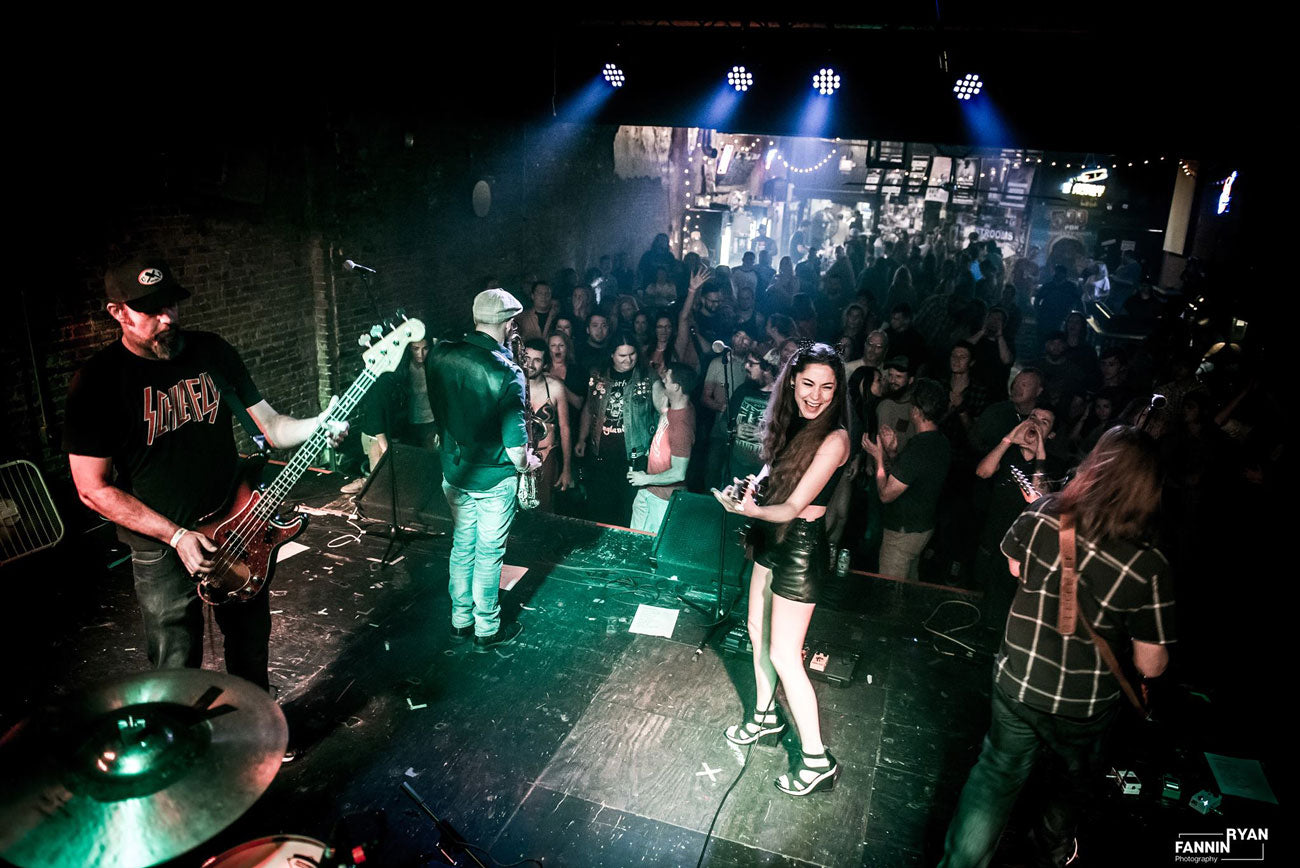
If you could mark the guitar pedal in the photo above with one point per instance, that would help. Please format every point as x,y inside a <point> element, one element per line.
<point>1128,782</point>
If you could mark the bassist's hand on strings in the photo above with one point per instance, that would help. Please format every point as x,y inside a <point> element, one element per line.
<point>194,550</point>
<point>336,430</point>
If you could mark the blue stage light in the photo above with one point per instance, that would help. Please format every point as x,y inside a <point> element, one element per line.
<point>740,78</point>
<point>968,86</point>
<point>614,75</point>
<point>826,81</point>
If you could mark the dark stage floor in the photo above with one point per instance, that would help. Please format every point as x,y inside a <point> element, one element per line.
<point>582,744</point>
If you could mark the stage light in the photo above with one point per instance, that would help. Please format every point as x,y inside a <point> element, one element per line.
<point>740,78</point>
<point>826,81</point>
<point>614,75</point>
<point>968,87</point>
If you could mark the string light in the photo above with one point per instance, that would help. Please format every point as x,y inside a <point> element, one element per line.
<point>810,169</point>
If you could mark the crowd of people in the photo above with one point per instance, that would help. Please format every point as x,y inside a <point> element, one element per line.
<point>964,378</point>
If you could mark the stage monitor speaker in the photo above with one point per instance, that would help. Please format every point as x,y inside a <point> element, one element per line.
<point>688,541</point>
<point>418,476</point>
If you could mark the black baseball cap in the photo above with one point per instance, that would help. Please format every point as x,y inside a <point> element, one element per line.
<point>144,285</point>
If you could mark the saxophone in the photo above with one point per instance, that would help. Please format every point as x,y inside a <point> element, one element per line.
<point>527,478</point>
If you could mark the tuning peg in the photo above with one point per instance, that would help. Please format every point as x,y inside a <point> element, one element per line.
<point>401,314</point>
<point>364,340</point>
<point>377,330</point>
<point>388,325</point>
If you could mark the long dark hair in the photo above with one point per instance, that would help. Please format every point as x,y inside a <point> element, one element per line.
<point>625,339</point>
<point>789,454</point>
<point>1116,493</point>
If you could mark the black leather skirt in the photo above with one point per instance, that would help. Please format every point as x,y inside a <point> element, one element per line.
<point>798,562</point>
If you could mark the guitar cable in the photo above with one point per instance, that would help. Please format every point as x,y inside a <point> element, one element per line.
<point>943,635</point>
<point>346,538</point>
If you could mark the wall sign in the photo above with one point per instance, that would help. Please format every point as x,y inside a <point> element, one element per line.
<point>1225,198</point>
<point>1090,183</point>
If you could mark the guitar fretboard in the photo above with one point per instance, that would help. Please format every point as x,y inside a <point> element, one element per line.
<point>306,454</point>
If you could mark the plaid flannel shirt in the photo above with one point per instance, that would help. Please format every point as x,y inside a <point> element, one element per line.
<point>1125,591</point>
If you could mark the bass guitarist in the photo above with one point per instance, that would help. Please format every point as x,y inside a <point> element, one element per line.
<point>150,441</point>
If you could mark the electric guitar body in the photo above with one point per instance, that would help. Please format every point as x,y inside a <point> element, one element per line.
<point>248,531</point>
<point>248,547</point>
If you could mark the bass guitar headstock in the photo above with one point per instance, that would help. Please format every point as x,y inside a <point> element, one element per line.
<point>1027,488</point>
<point>386,343</point>
<point>735,493</point>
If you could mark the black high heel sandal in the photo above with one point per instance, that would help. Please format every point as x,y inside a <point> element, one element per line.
<point>823,771</point>
<point>762,726</point>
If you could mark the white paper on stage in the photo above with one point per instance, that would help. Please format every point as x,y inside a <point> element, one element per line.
<point>510,575</point>
<point>289,549</point>
<point>654,621</point>
<point>1240,777</point>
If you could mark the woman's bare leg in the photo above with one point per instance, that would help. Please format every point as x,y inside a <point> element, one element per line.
<point>759,620</point>
<point>789,626</point>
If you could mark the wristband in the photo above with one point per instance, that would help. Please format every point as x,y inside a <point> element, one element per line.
<point>176,537</point>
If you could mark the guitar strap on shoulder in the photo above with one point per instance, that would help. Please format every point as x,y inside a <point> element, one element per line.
<point>237,407</point>
<point>1067,612</point>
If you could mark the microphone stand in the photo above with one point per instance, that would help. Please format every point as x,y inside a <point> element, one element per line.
<point>394,531</point>
<point>718,617</point>
<point>731,436</point>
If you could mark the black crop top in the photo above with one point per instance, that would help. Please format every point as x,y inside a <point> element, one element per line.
<point>823,497</point>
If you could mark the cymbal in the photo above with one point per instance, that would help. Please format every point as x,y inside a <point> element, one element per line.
<point>136,772</point>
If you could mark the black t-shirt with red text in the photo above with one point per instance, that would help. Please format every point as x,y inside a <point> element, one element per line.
<point>165,424</point>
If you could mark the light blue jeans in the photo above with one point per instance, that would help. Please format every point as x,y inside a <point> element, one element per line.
<point>480,525</point>
<point>648,511</point>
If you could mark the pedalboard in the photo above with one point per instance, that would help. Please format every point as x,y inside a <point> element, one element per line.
<point>829,663</point>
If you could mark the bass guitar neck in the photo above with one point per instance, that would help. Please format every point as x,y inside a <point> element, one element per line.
<point>248,531</point>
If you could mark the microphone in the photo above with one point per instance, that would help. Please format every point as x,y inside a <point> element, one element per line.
<point>1158,402</point>
<point>720,347</point>
<point>349,265</point>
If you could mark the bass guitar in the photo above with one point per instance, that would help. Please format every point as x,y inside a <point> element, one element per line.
<point>248,530</point>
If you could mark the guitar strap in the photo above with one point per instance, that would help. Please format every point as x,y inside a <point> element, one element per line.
<point>237,407</point>
<point>1067,612</point>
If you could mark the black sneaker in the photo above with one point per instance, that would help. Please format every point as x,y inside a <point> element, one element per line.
<point>462,632</point>
<point>504,635</point>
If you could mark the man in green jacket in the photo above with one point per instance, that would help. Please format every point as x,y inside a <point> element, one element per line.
<point>477,393</point>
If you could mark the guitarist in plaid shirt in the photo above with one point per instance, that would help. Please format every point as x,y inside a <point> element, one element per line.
<point>1053,693</point>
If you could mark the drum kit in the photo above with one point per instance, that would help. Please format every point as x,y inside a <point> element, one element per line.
<point>140,771</point>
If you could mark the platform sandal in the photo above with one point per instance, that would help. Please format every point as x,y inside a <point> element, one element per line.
<point>815,771</point>
<point>761,725</point>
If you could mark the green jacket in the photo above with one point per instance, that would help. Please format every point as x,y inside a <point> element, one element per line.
<point>477,395</point>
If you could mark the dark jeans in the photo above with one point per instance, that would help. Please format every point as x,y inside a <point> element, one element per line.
<point>609,494</point>
<point>173,619</point>
<point>1015,738</point>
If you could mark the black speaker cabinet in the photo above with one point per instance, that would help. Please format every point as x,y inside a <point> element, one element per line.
<point>697,532</point>
<point>417,473</point>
